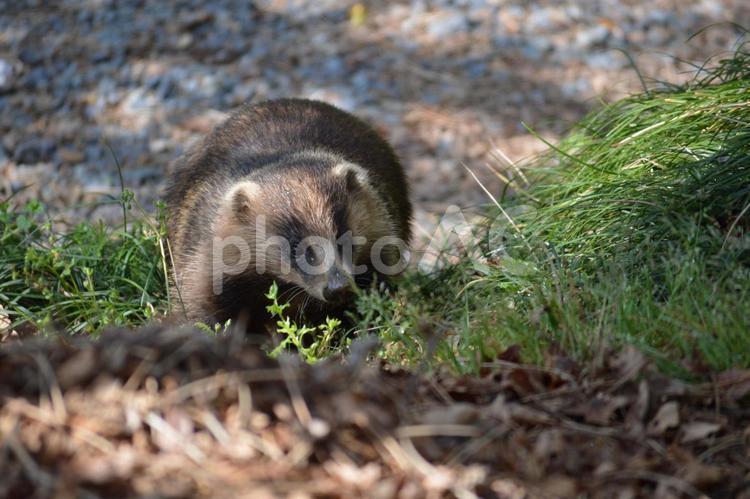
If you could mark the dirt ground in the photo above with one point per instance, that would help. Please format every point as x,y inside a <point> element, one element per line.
<point>175,413</point>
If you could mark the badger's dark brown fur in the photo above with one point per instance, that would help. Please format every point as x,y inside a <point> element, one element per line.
<point>280,171</point>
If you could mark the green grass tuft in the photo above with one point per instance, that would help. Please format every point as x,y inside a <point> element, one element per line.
<point>636,230</point>
<point>80,280</point>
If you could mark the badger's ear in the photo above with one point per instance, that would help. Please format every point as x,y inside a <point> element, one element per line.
<point>242,197</point>
<point>356,176</point>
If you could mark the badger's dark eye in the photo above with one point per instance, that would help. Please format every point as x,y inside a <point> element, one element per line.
<point>311,256</point>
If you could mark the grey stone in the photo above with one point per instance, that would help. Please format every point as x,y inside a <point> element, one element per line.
<point>8,75</point>
<point>538,20</point>
<point>610,60</point>
<point>31,56</point>
<point>448,24</point>
<point>595,35</point>
<point>34,150</point>
<point>139,176</point>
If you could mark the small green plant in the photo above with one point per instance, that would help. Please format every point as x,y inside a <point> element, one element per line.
<point>216,329</point>
<point>312,342</point>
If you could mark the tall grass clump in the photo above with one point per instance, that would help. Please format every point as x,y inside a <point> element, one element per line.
<point>656,168</point>
<point>646,203</point>
<point>78,280</point>
<point>636,229</point>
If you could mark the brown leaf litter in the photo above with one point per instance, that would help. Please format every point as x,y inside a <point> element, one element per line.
<point>166,412</point>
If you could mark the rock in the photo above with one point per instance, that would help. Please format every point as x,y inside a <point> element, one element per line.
<point>476,69</point>
<point>101,55</point>
<point>538,20</point>
<point>38,78</point>
<point>658,35</point>
<point>531,53</point>
<point>503,42</point>
<point>191,20</point>
<point>361,80</point>
<point>35,150</point>
<point>205,122</point>
<point>537,48</point>
<point>610,60</point>
<point>446,24</point>
<point>334,67</point>
<point>661,17</point>
<point>184,41</point>
<point>158,146</point>
<point>71,156</point>
<point>30,56</point>
<point>593,36</point>
<point>8,75</point>
<point>163,86</point>
<point>242,93</point>
<point>139,176</point>
<point>570,89</point>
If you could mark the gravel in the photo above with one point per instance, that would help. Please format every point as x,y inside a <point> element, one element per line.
<point>447,82</point>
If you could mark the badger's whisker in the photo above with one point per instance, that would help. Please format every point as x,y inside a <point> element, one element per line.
<point>301,309</point>
<point>295,288</point>
<point>295,295</point>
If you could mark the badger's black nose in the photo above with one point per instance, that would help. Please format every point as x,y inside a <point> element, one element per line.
<point>337,289</point>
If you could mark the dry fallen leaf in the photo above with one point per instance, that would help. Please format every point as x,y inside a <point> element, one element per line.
<point>627,363</point>
<point>509,488</point>
<point>698,430</point>
<point>666,418</point>
<point>77,368</point>
<point>634,420</point>
<point>6,333</point>
<point>460,413</point>
<point>549,444</point>
<point>559,486</point>
<point>701,475</point>
<point>600,409</point>
<point>735,383</point>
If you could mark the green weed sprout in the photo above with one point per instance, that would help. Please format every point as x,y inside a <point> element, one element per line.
<point>296,336</point>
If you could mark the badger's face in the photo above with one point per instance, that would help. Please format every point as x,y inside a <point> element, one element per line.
<point>322,230</point>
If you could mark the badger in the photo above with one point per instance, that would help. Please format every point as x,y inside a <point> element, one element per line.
<point>291,191</point>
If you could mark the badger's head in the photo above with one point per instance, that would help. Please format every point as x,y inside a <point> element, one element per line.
<point>322,228</point>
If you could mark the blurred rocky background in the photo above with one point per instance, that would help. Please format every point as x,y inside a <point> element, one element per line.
<point>449,83</point>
